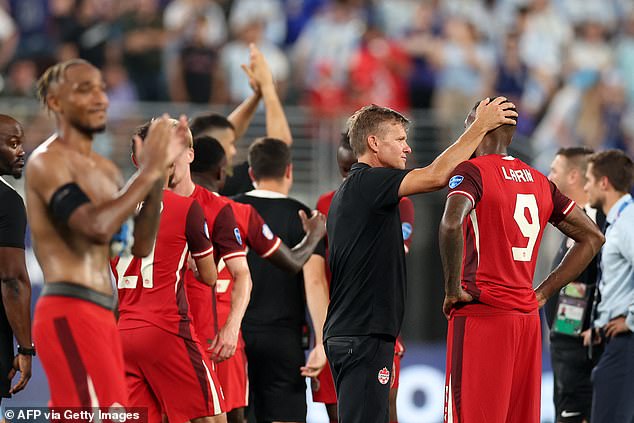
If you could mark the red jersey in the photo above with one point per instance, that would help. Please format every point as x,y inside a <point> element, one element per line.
<point>228,244</point>
<point>258,236</point>
<point>151,289</point>
<point>512,203</point>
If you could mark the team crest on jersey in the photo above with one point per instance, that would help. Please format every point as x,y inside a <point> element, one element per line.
<point>455,181</point>
<point>384,376</point>
<point>407,230</point>
<point>267,232</point>
<point>236,232</point>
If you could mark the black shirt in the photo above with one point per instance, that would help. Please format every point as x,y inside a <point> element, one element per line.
<point>367,259</point>
<point>277,298</point>
<point>12,217</point>
<point>238,183</point>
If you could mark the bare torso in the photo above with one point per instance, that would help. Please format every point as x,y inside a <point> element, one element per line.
<point>63,254</point>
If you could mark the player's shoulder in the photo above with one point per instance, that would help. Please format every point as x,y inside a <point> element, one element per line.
<point>9,197</point>
<point>173,199</point>
<point>324,201</point>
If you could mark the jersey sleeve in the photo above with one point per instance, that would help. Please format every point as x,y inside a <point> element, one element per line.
<point>260,237</point>
<point>197,232</point>
<point>562,205</point>
<point>466,180</point>
<point>226,236</point>
<point>380,186</point>
<point>12,220</point>
<point>406,210</point>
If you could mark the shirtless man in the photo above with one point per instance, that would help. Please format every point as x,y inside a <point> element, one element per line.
<point>76,203</point>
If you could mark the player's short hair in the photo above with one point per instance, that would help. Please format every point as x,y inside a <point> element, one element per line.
<point>142,131</point>
<point>616,166</point>
<point>208,154</point>
<point>576,157</point>
<point>371,120</point>
<point>268,158</point>
<point>475,107</point>
<point>54,75</point>
<point>209,121</point>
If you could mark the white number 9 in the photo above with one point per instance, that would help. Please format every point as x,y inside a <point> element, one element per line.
<point>530,229</point>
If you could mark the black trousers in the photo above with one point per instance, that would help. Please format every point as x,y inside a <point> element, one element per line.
<point>362,367</point>
<point>613,380</point>
<point>572,370</point>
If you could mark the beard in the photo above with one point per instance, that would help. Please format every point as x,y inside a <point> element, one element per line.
<point>87,130</point>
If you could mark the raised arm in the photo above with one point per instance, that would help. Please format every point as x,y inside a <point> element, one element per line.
<point>276,122</point>
<point>489,115</point>
<point>146,222</point>
<point>451,247</point>
<point>588,240</point>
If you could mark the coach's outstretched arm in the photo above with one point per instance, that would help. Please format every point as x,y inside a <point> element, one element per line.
<point>489,115</point>
<point>588,240</point>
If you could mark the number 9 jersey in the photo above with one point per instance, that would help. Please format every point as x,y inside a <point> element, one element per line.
<point>512,203</point>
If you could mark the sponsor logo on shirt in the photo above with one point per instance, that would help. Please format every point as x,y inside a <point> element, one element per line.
<point>236,232</point>
<point>407,230</point>
<point>455,181</point>
<point>384,376</point>
<point>267,232</point>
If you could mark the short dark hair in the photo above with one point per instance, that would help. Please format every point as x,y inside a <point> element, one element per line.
<point>475,107</point>
<point>207,121</point>
<point>616,166</point>
<point>208,154</point>
<point>268,158</point>
<point>368,121</point>
<point>577,157</point>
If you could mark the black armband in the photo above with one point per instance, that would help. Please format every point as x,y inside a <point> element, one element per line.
<point>66,200</point>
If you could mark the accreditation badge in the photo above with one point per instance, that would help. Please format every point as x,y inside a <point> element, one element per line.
<point>571,309</point>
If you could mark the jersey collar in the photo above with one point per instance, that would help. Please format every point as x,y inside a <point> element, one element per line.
<point>264,193</point>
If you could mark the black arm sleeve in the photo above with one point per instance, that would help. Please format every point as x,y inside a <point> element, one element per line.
<point>12,219</point>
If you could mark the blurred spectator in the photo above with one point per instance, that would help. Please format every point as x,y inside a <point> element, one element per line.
<point>420,42</point>
<point>328,41</point>
<point>482,13</point>
<point>270,12</point>
<point>589,50</point>
<point>8,38</point>
<point>85,33</point>
<point>396,17</point>
<point>625,55</point>
<point>121,92</point>
<point>21,79</point>
<point>298,13</point>
<point>379,72</point>
<point>34,22</point>
<point>236,53</point>
<point>196,68</point>
<point>512,72</point>
<point>465,67</point>
<point>181,15</point>
<point>143,41</point>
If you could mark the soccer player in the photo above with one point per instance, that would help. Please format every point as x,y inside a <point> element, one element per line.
<point>76,203</point>
<point>366,256</point>
<point>571,364</point>
<point>208,171</point>
<point>496,212</point>
<point>324,385</point>
<point>228,130</point>
<point>166,368</point>
<point>272,326</point>
<point>15,308</point>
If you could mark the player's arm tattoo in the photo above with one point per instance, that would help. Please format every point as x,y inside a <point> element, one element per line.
<point>452,241</point>
<point>588,240</point>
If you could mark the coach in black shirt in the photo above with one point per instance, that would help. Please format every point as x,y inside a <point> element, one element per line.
<point>367,260</point>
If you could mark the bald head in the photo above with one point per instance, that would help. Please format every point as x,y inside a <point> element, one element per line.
<point>11,150</point>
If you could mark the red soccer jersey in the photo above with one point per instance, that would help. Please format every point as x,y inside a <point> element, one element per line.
<point>512,203</point>
<point>151,289</point>
<point>259,237</point>
<point>228,244</point>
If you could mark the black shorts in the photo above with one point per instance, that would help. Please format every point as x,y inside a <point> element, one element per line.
<point>362,368</point>
<point>6,353</point>
<point>572,370</point>
<point>277,390</point>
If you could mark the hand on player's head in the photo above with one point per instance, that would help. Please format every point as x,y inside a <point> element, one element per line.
<point>165,141</point>
<point>315,225</point>
<point>496,112</point>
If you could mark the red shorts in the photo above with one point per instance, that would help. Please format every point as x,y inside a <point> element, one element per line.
<point>233,377</point>
<point>494,367</point>
<point>169,374</point>
<point>78,344</point>
<point>324,390</point>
